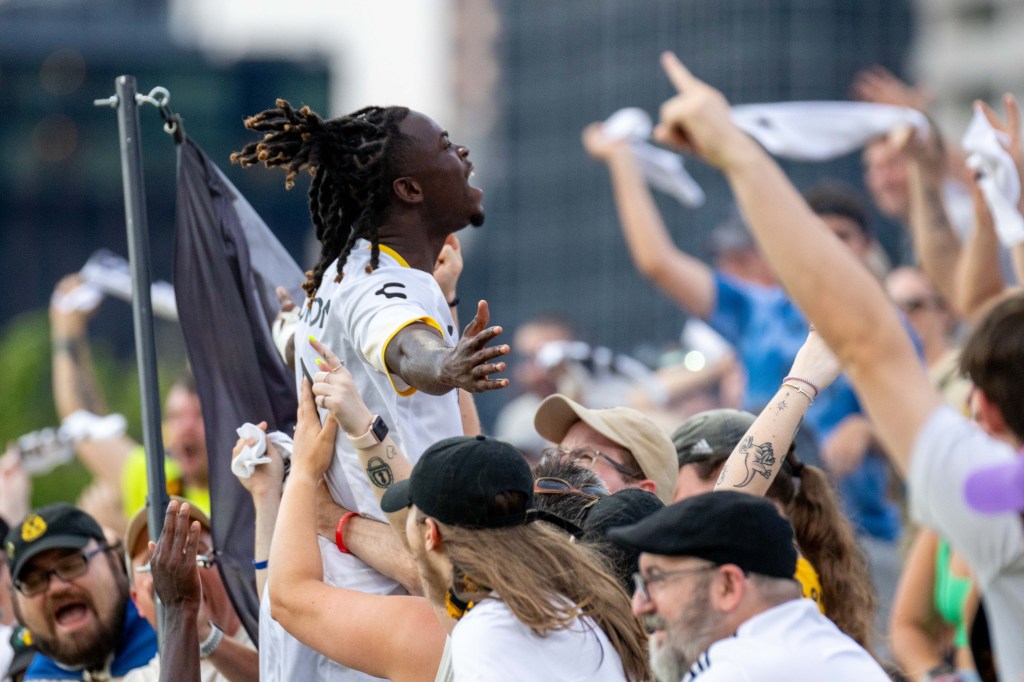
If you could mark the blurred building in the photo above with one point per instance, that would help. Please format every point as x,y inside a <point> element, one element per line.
<point>968,50</point>
<point>62,194</point>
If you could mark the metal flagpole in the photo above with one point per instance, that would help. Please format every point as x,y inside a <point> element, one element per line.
<point>127,101</point>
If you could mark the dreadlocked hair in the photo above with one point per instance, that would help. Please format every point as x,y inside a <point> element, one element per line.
<point>352,160</point>
<point>547,581</point>
<point>827,539</point>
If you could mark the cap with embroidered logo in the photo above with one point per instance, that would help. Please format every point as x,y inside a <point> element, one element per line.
<point>55,526</point>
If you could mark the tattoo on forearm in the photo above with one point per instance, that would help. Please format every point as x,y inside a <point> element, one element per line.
<point>758,459</point>
<point>782,404</point>
<point>379,472</point>
<point>391,451</point>
<point>721,476</point>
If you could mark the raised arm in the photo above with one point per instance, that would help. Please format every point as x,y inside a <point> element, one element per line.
<point>686,280</point>
<point>420,357</point>
<point>372,541</point>
<point>384,463</point>
<point>265,485</point>
<point>755,462</point>
<point>446,272</point>
<point>176,581</point>
<point>75,386</point>
<point>935,243</point>
<point>979,274</point>
<point>839,296</point>
<point>393,637</point>
<point>915,627</point>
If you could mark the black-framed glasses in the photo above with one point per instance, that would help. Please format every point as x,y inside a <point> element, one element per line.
<point>202,561</point>
<point>587,457</point>
<point>548,485</point>
<point>67,569</point>
<point>642,584</point>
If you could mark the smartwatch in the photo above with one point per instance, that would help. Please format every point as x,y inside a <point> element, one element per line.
<point>374,435</point>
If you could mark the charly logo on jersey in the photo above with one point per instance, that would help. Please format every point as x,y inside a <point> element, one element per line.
<point>383,291</point>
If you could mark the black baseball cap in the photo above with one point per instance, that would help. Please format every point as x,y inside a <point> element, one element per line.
<point>55,526</point>
<point>724,527</point>
<point>712,434</point>
<point>456,479</point>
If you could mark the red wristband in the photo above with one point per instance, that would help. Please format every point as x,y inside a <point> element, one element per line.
<point>339,540</point>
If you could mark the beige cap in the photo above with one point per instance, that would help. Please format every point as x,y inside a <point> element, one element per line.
<point>140,523</point>
<point>626,427</point>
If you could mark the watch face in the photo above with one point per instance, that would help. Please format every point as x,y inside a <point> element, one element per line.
<point>379,429</point>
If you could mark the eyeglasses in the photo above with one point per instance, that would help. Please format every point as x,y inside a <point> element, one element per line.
<point>202,561</point>
<point>587,457</point>
<point>67,569</point>
<point>547,485</point>
<point>642,584</point>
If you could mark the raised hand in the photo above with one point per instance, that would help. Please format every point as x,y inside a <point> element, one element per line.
<point>600,144</point>
<point>175,574</point>
<point>1011,128</point>
<point>335,391</point>
<point>698,118</point>
<point>880,86</point>
<point>15,486</point>
<point>469,365</point>
<point>283,328</point>
<point>314,443</point>
<point>448,267</point>
<point>266,478</point>
<point>67,321</point>
<point>815,362</point>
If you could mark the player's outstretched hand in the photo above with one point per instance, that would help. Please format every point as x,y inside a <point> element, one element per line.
<point>470,364</point>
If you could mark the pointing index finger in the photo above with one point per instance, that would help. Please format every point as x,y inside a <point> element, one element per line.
<point>677,73</point>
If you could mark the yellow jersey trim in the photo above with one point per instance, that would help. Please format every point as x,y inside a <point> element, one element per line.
<point>394,254</point>
<point>384,349</point>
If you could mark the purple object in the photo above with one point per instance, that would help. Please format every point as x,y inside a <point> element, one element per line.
<point>997,489</point>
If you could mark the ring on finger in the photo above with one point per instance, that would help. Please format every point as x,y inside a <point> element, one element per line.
<point>340,365</point>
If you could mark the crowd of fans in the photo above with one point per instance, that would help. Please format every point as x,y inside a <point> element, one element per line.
<point>838,496</point>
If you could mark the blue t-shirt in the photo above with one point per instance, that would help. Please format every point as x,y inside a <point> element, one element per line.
<point>135,648</point>
<point>767,330</point>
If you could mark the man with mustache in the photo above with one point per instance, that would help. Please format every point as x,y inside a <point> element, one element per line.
<point>71,593</point>
<point>716,589</point>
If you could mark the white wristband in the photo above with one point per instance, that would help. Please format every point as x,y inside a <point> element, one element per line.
<point>211,642</point>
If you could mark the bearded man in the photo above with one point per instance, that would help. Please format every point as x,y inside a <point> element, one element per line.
<point>71,592</point>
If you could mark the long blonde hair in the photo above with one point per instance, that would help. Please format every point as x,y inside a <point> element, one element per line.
<point>547,581</point>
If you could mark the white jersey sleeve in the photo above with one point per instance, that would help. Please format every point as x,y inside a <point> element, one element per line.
<point>376,308</point>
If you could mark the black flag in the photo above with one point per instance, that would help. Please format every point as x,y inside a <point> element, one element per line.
<point>227,264</point>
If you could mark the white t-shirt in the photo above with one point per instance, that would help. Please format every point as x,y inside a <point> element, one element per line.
<point>948,449</point>
<point>207,670</point>
<point>791,642</point>
<point>490,644</point>
<point>284,658</point>
<point>6,651</point>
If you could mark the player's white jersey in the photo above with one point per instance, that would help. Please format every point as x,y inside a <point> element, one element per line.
<point>357,318</point>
